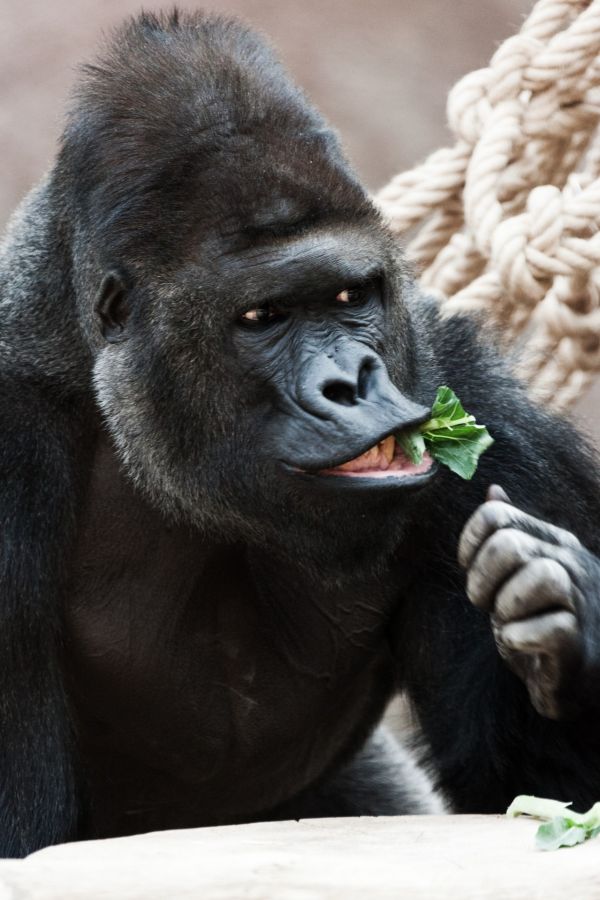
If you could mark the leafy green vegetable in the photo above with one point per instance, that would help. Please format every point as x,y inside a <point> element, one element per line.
<point>565,828</point>
<point>413,444</point>
<point>451,436</point>
<point>560,832</point>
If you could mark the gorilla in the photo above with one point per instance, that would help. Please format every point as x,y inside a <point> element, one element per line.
<point>216,564</point>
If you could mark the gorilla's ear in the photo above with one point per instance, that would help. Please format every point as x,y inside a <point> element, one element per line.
<point>112,307</point>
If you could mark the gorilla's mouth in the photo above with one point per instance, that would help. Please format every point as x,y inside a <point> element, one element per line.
<point>386,459</point>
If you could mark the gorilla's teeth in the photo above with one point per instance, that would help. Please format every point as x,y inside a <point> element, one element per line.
<point>367,460</point>
<point>377,457</point>
<point>388,447</point>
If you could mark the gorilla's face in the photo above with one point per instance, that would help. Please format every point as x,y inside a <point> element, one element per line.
<point>314,347</point>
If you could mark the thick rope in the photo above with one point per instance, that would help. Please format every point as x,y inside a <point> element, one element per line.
<point>507,221</point>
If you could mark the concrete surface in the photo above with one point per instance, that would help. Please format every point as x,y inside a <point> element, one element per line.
<point>416,857</point>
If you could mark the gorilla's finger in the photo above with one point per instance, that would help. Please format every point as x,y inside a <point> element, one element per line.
<point>539,585</point>
<point>495,492</point>
<point>496,514</point>
<point>555,634</point>
<point>499,558</point>
<point>487,518</point>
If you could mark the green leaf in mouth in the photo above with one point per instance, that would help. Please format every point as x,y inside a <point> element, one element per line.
<point>451,436</point>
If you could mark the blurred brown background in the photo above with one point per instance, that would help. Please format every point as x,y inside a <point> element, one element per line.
<point>379,69</point>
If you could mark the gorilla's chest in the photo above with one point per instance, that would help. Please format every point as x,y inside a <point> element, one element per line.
<point>196,703</point>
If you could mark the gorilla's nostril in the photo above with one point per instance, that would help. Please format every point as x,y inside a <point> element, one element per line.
<point>364,379</point>
<point>340,392</point>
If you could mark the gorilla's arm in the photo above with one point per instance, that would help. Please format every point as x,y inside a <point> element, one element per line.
<point>505,662</point>
<point>40,438</point>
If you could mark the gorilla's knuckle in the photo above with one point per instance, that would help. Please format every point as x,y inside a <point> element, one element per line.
<point>508,544</point>
<point>491,515</point>
<point>550,574</point>
<point>473,589</point>
<point>473,535</point>
<point>501,513</point>
<point>568,539</point>
<point>564,626</point>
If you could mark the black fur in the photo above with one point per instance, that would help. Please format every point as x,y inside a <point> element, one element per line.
<point>195,632</point>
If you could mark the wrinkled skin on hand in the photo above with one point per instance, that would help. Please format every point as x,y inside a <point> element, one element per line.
<point>541,588</point>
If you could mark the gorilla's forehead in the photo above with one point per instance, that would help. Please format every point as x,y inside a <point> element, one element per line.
<point>330,256</point>
<point>320,259</point>
<point>278,213</point>
<point>283,175</point>
<point>272,213</point>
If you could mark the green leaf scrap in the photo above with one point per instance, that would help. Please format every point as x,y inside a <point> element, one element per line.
<point>451,435</point>
<point>559,832</point>
<point>566,828</point>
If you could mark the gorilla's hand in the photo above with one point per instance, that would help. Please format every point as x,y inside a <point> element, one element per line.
<point>542,589</point>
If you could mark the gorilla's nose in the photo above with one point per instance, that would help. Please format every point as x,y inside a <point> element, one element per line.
<point>354,389</point>
<point>344,389</point>
<point>326,385</point>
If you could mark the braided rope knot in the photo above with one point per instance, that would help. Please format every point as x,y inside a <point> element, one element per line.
<point>524,247</point>
<point>506,221</point>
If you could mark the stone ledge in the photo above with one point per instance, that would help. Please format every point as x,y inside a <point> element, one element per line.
<point>409,857</point>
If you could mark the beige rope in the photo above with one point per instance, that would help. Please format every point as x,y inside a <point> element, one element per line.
<point>507,221</point>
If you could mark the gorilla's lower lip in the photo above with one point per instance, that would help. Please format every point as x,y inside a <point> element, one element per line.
<point>383,464</point>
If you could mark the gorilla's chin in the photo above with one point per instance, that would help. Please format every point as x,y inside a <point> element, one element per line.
<point>337,527</point>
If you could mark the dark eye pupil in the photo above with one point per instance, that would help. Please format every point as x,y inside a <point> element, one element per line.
<point>264,313</point>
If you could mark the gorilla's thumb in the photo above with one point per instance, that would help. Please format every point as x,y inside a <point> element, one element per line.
<point>495,492</point>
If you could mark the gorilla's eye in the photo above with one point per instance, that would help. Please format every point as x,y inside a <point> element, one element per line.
<point>262,315</point>
<point>354,296</point>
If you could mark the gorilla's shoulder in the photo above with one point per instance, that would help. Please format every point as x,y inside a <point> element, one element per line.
<point>466,349</point>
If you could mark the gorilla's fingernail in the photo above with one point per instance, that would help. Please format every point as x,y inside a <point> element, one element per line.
<point>495,492</point>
